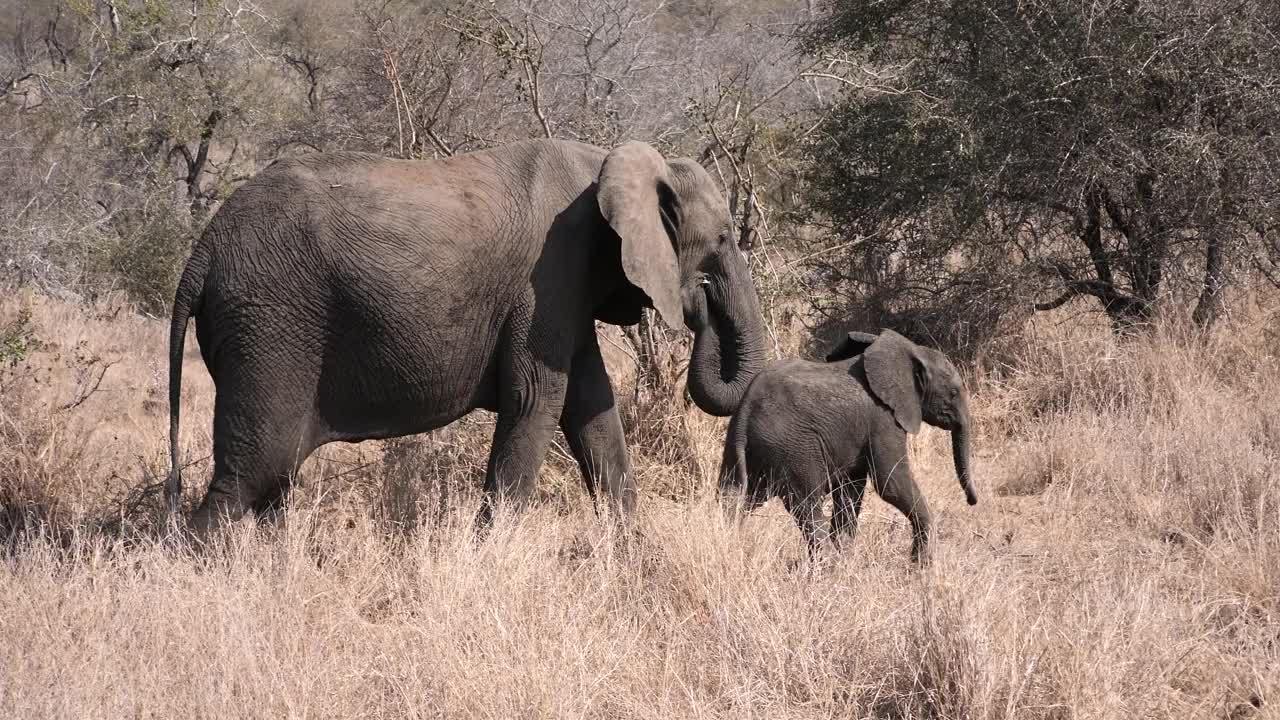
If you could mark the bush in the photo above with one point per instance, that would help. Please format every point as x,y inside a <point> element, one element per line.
<point>145,258</point>
<point>999,155</point>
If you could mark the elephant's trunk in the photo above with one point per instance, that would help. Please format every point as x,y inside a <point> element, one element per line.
<point>730,349</point>
<point>964,469</point>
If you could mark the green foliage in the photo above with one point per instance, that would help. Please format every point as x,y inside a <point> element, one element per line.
<point>18,339</point>
<point>1015,151</point>
<point>138,116</point>
<point>146,259</point>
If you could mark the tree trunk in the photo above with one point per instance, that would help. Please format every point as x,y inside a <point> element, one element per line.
<point>643,341</point>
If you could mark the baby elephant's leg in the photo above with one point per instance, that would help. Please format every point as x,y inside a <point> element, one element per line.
<point>846,501</point>
<point>896,486</point>
<point>803,498</point>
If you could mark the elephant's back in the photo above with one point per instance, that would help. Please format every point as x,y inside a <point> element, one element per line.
<point>796,402</point>
<point>368,196</point>
<point>353,218</point>
<point>806,385</point>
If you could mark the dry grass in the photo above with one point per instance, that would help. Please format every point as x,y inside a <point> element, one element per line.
<point>1124,561</point>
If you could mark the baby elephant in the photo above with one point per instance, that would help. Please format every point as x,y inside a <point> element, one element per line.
<point>806,428</point>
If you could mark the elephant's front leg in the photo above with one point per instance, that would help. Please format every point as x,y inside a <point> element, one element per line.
<point>591,425</point>
<point>896,486</point>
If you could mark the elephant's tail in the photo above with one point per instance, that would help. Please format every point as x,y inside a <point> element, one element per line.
<point>733,465</point>
<point>732,486</point>
<point>186,302</point>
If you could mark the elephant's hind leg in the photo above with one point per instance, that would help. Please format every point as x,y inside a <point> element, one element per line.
<point>804,498</point>
<point>520,442</point>
<point>847,492</point>
<point>259,444</point>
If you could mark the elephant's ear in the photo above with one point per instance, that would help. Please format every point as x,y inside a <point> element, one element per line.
<point>895,373</point>
<point>855,343</point>
<point>634,195</point>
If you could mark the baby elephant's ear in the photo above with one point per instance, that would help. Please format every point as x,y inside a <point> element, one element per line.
<point>855,343</point>
<point>892,364</point>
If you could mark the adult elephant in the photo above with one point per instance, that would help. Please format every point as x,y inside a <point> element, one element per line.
<point>346,296</point>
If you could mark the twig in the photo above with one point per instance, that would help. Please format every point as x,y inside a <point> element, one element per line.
<point>351,471</point>
<point>87,394</point>
<point>398,97</point>
<point>198,460</point>
<point>440,144</point>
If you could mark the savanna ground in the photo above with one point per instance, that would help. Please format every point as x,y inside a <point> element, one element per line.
<point>1124,560</point>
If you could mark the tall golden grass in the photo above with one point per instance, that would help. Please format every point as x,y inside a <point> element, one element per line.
<point>1124,560</point>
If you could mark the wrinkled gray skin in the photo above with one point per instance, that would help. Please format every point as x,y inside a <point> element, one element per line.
<point>806,428</point>
<point>348,296</point>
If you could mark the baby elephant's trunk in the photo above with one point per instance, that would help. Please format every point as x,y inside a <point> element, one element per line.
<point>960,449</point>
